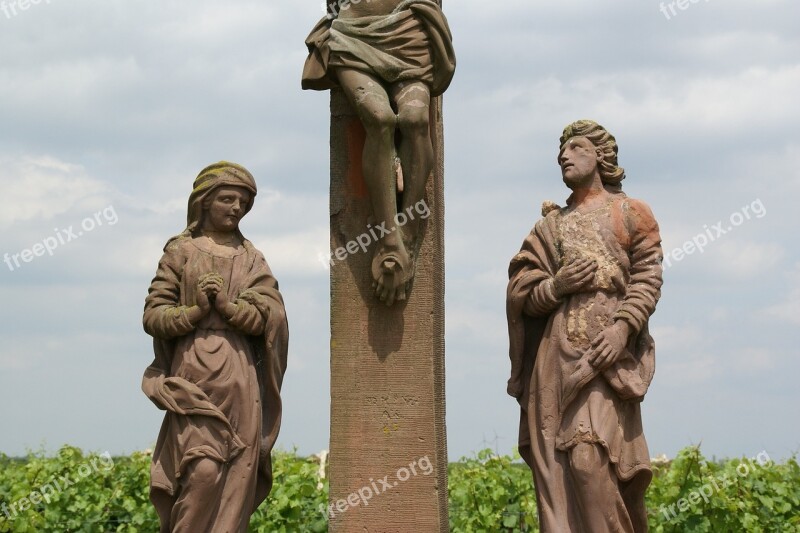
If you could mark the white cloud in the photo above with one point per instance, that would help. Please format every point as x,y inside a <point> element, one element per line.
<point>296,253</point>
<point>789,310</point>
<point>750,361</point>
<point>42,187</point>
<point>677,339</point>
<point>485,327</point>
<point>696,368</point>
<point>742,259</point>
<point>715,104</point>
<point>685,355</point>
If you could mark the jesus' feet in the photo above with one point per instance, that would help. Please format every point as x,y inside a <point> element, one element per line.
<point>392,269</point>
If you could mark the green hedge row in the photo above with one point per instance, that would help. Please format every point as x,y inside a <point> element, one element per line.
<point>74,491</point>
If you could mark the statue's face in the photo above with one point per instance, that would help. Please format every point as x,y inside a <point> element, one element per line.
<point>227,207</point>
<point>578,160</point>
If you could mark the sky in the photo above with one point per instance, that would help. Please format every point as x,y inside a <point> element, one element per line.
<point>109,109</point>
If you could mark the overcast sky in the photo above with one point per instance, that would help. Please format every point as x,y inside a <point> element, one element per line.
<point>111,108</point>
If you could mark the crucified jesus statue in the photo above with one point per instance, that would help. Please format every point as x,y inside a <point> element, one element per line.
<point>390,57</point>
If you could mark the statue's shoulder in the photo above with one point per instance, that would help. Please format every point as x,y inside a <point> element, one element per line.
<point>638,215</point>
<point>551,211</point>
<point>636,207</point>
<point>550,208</point>
<point>178,245</point>
<point>256,254</point>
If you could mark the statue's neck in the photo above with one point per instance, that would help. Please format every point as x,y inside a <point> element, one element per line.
<point>589,197</point>
<point>222,238</point>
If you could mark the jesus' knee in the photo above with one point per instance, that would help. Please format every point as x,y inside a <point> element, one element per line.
<point>378,119</point>
<point>414,118</point>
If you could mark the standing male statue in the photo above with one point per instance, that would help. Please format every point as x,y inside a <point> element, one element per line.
<point>390,57</point>
<point>580,295</point>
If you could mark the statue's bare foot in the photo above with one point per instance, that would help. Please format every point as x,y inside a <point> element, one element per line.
<point>392,269</point>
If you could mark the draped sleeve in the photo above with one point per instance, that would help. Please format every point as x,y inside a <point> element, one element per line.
<point>530,299</point>
<point>644,286</point>
<point>164,316</point>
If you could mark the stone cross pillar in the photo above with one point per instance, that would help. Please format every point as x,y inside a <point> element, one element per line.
<point>388,456</point>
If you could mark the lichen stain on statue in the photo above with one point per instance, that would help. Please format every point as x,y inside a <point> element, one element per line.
<point>390,58</point>
<point>580,294</point>
<point>220,337</point>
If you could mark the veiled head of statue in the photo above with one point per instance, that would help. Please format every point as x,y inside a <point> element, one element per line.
<point>214,179</point>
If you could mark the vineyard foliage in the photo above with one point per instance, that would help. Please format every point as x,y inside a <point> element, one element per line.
<point>86,492</point>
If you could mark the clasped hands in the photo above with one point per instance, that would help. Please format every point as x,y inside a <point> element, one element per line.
<point>211,290</point>
<point>609,345</point>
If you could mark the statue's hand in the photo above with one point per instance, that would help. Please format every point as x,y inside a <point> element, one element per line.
<point>574,276</point>
<point>208,289</point>
<point>203,303</point>
<point>609,345</point>
<point>213,285</point>
<point>221,301</point>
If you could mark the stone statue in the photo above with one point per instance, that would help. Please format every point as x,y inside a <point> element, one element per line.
<point>580,295</point>
<point>390,57</point>
<point>220,338</point>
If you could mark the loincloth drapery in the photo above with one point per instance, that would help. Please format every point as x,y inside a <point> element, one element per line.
<point>412,43</point>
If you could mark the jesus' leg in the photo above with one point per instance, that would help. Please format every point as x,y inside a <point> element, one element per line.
<point>391,266</point>
<point>413,101</point>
